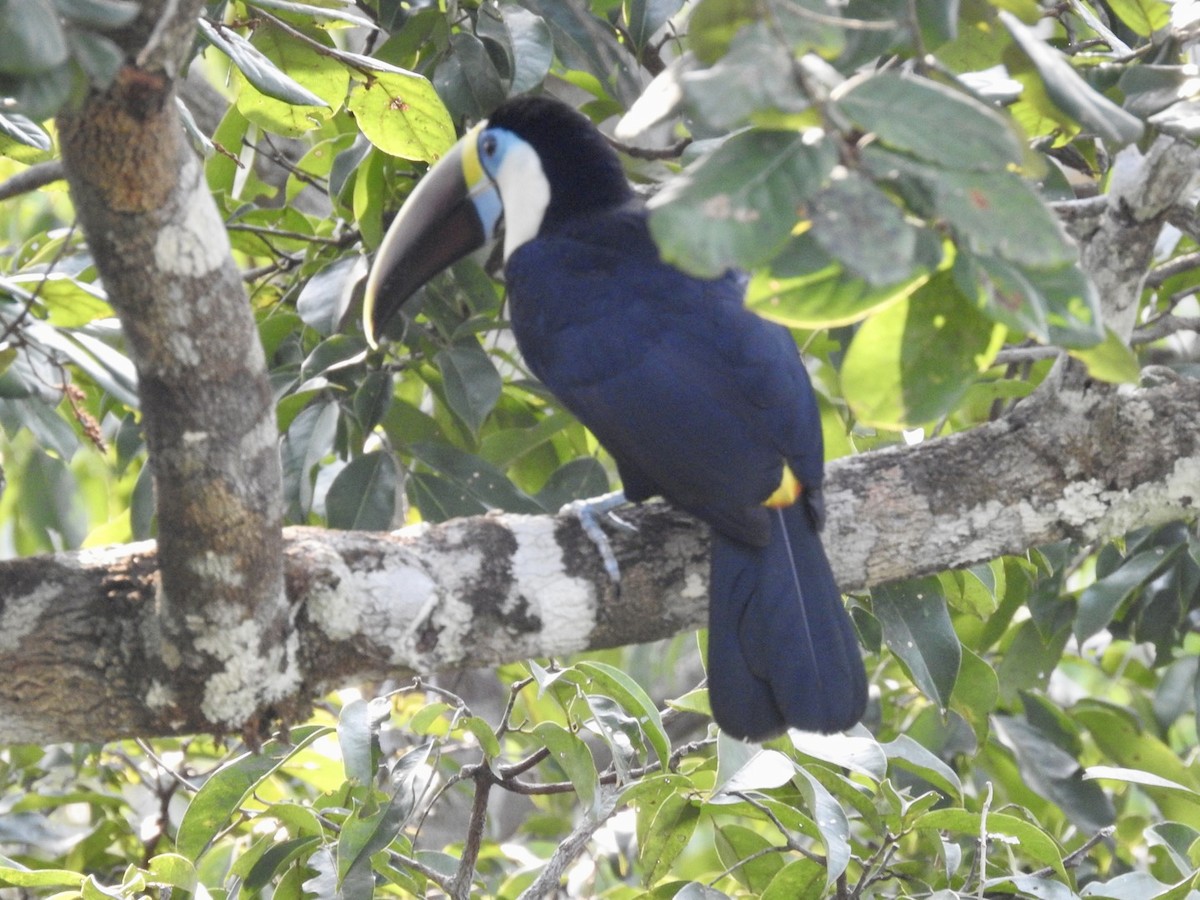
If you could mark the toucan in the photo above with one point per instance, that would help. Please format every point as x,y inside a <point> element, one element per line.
<point>696,398</point>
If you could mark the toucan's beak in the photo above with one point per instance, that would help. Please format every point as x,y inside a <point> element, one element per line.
<point>455,209</point>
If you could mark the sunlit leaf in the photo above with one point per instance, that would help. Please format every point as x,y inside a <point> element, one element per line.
<point>401,114</point>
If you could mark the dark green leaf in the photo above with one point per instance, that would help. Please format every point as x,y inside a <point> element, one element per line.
<point>753,79</point>
<point>440,499</point>
<point>906,753</point>
<point>587,44</point>
<point>1102,600</point>
<point>471,381</point>
<point>363,495</point>
<point>324,298</point>
<point>99,57</point>
<point>1056,775</point>
<point>31,38</point>
<point>532,47</point>
<point>467,80</point>
<point>38,95</point>
<point>645,17</point>
<point>580,479</point>
<point>917,628</point>
<point>737,206</point>
<point>99,13</point>
<point>950,128</point>
<point>478,480</point>
<point>857,223</point>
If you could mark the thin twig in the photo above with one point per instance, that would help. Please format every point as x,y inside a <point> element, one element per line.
<point>672,152</point>
<point>463,879</point>
<point>1076,856</point>
<point>569,850</point>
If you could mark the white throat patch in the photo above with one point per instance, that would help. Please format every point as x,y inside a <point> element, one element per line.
<point>525,193</point>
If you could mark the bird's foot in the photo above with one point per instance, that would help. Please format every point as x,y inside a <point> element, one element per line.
<point>589,513</point>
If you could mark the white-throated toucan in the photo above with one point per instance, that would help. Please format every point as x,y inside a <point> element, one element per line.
<point>697,399</point>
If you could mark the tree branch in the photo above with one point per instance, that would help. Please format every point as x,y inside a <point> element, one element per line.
<point>491,589</point>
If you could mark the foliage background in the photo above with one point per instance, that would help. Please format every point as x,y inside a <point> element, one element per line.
<point>1033,726</point>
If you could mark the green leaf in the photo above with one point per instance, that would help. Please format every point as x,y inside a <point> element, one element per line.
<point>801,879</point>
<point>669,831</point>
<point>13,874</point>
<point>31,38</point>
<point>37,95</point>
<point>946,127</point>
<point>69,303</point>
<point>401,114</point>
<point>369,829</point>
<point>1103,599</point>
<point>172,870</point>
<point>471,382</point>
<point>1069,92</point>
<point>713,25</point>
<point>323,299</point>
<point>326,78</point>
<point>912,362</point>
<point>573,757</point>
<point>1054,772</point>
<point>1055,305</point>
<point>1111,360</point>
<point>440,499</point>
<point>586,43</point>
<point>736,207</point>
<point>806,289</point>
<point>258,69</point>
<point>1031,839</point>
<point>1144,17</point>
<point>219,800</point>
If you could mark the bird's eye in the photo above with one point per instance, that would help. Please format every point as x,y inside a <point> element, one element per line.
<point>487,145</point>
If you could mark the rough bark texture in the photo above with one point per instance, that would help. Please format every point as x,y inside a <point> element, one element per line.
<point>498,588</point>
<point>164,257</point>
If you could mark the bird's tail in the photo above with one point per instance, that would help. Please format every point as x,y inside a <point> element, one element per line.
<point>782,651</point>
